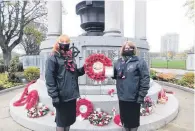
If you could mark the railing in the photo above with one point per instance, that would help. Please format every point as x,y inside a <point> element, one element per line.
<point>30,61</point>
<point>169,64</point>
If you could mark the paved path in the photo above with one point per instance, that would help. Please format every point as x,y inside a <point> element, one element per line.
<point>174,71</point>
<point>183,122</point>
<point>185,119</point>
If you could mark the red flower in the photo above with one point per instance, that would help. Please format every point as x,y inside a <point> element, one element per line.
<point>89,106</point>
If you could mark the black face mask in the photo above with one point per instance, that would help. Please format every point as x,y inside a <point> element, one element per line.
<point>128,53</point>
<point>64,47</point>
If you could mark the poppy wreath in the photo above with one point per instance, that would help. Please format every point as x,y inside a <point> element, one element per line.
<point>117,120</point>
<point>99,118</point>
<point>37,111</point>
<point>87,105</point>
<point>91,60</point>
<point>147,107</point>
<point>162,97</point>
<point>29,98</point>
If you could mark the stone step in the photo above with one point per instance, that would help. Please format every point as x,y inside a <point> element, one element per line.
<point>98,95</point>
<point>105,102</point>
<point>162,115</point>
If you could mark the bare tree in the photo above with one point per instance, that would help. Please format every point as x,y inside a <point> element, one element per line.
<point>190,5</point>
<point>14,17</point>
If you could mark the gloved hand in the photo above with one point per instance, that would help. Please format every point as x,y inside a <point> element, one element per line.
<point>140,100</point>
<point>83,69</point>
<point>56,102</point>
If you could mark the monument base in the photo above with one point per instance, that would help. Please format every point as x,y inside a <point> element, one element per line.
<point>98,94</point>
<point>162,115</point>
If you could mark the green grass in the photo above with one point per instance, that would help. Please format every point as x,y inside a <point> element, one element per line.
<point>172,64</point>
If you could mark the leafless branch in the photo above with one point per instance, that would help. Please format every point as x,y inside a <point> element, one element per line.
<point>9,20</point>
<point>38,16</point>
<point>16,42</point>
<point>34,8</point>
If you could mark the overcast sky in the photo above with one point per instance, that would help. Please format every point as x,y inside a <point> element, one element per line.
<point>163,16</point>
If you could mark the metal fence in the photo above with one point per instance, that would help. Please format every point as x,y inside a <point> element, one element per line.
<point>168,63</point>
<point>30,61</point>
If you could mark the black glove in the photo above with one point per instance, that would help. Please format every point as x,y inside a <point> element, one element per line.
<point>83,69</point>
<point>56,102</point>
<point>140,100</point>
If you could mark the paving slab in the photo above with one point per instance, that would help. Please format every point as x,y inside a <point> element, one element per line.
<point>185,119</point>
<point>7,124</point>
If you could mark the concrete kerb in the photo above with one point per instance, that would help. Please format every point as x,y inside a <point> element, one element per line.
<point>176,86</point>
<point>11,89</point>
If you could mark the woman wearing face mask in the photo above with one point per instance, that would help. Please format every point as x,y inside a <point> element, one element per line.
<point>132,83</point>
<point>62,83</point>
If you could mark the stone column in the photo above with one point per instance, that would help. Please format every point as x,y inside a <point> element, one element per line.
<point>140,19</point>
<point>54,18</point>
<point>114,19</point>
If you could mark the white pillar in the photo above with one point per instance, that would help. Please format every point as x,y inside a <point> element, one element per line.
<point>140,19</point>
<point>114,20</point>
<point>54,18</point>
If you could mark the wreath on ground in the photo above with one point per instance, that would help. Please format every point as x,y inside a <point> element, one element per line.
<point>162,97</point>
<point>37,111</point>
<point>84,108</point>
<point>31,100</point>
<point>147,107</point>
<point>95,66</point>
<point>99,118</point>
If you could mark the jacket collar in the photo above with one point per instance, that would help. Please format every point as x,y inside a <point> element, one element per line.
<point>57,54</point>
<point>131,59</point>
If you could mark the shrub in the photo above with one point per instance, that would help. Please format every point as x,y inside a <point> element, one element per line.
<point>189,77</point>
<point>4,83</point>
<point>153,74</point>
<point>13,67</point>
<point>182,82</point>
<point>169,77</point>
<point>187,80</point>
<point>32,73</point>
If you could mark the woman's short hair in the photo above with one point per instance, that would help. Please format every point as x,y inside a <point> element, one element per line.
<point>130,44</point>
<point>63,39</point>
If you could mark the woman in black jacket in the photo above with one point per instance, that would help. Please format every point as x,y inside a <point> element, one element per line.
<point>61,76</point>
<point>132,83</point>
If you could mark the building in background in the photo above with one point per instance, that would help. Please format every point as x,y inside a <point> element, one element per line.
<point>169,44</point>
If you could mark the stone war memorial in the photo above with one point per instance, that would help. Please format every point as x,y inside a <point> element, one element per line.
<point>104,34</point>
